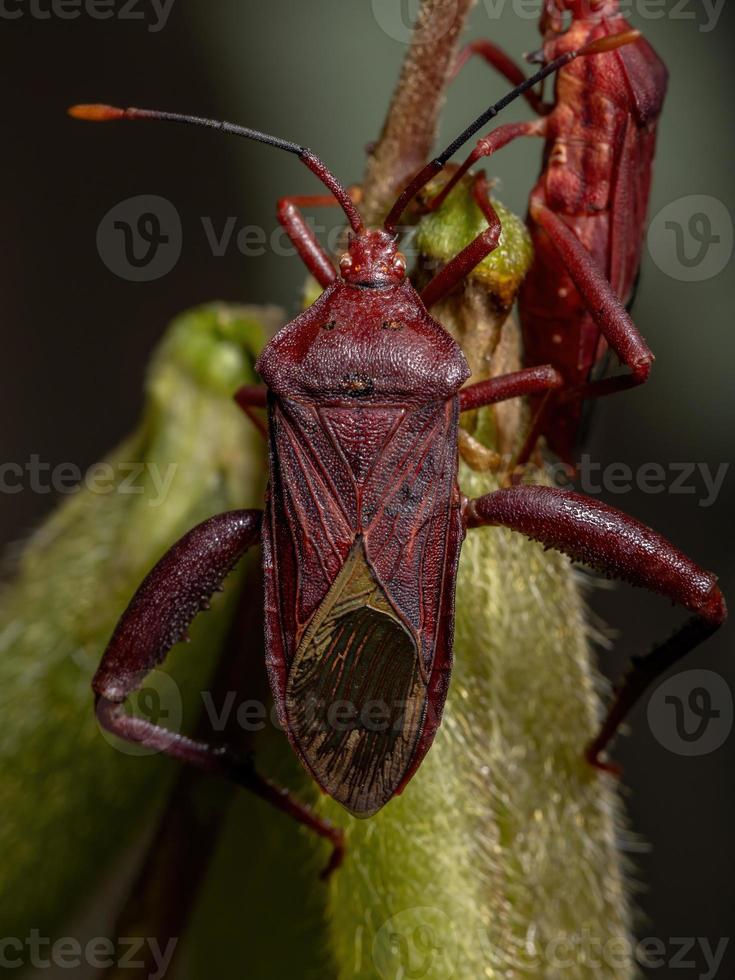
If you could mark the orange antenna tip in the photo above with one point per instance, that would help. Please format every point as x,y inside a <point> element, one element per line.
<point>95,113</point>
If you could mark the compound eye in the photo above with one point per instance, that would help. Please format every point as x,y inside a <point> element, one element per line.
<point>399,263</point>
<point>345,263</point>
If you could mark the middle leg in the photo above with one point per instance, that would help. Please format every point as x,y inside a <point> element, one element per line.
<point>530,381</point>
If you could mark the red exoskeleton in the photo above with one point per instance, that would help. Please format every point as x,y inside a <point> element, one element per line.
<point>588,209</point>
<point>364,521</point>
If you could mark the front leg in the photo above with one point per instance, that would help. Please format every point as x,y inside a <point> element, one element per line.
<point>529,381</point>
<point>619,546</point>
<point>461,265</point>
<point>305,241</point>
<point>486,147</point>
<point>485,243</point>
<point>608,313</point>
<point>159,614</point>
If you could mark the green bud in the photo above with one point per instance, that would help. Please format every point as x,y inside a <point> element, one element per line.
<point>443,234</point>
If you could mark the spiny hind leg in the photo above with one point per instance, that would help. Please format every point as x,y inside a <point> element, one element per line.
<point>614,543</point>
<point>158,616</point>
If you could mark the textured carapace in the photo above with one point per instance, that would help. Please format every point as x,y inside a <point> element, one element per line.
<point>364,343</point>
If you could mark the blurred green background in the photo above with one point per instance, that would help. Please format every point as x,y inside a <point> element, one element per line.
<point>76,337</point>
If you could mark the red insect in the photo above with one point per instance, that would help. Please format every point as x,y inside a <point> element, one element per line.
<point>588,209</point>
<point>363,525</point>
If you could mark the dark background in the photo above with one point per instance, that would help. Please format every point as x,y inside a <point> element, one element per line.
<point>75,337</point>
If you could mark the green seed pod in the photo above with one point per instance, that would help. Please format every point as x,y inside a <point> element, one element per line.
<point>70,803</point>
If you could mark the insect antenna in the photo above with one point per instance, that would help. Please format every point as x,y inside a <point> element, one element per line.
<point>431,169</point>
<point>106,113</point>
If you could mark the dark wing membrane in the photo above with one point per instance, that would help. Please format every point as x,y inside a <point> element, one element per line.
<point>355,697</point>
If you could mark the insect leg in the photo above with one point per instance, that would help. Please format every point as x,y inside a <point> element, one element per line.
<point>250,397</point>
<point>461,265</point>
<point>619,546</point>
<point>496,58</point>
<point>485,243</point>
<point>607,311</point>
<point>604,306</point>
<point>530,381</point>
<point>488,145</point>
<point>177,588</point>
<point>312,254</point>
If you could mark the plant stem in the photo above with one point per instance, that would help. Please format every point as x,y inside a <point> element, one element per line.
<point>411,123</point>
